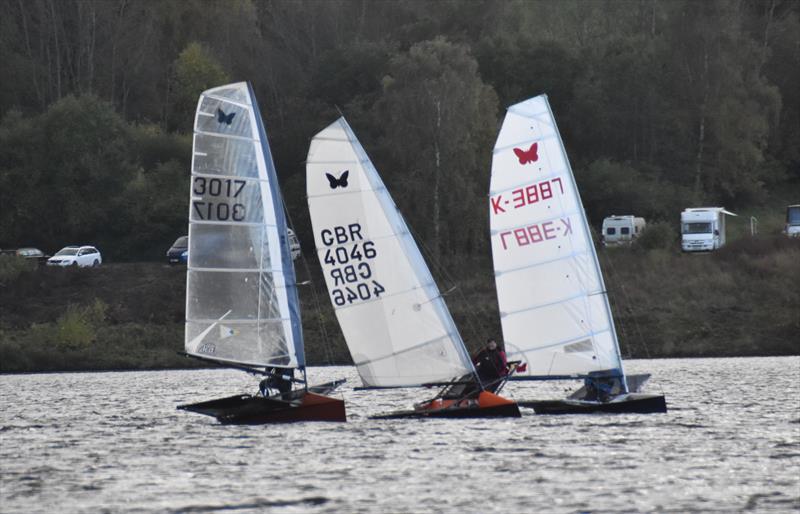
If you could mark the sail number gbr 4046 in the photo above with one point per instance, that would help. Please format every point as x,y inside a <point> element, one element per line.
<point>346,259</point>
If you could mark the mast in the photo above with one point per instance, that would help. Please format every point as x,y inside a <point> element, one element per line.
<point>590,243</point>
<point>287,263</point>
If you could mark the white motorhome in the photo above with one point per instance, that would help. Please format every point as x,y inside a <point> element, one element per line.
<point>621,229</point>
<point>703,228</point>
<point>792,227</point>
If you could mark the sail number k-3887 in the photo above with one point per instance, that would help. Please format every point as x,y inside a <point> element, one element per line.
<point>220,206</point>
<point>527,195</point>
<point>346,261</point>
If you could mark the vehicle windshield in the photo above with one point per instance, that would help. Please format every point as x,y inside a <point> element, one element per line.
<point>181,242</point>
<point>697,228</point>
<point>793,215</point>
<point>68,251</point>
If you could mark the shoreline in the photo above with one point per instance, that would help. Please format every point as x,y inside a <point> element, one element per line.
<point>206,368</point>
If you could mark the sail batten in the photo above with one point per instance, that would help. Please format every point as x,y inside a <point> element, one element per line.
<point>241,301</point>
<point>551,294</point>
<point>396,324</point>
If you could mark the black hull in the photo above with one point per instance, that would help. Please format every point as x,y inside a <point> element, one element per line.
<point>498,411</point>
<point>299,405</point>
<point>633,404</point>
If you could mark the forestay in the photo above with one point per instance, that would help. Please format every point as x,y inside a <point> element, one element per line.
<point>241,298</point>
<point>396,324</point>
<point>553,303</point>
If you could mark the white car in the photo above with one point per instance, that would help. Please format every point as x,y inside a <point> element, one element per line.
<point>83,256</point>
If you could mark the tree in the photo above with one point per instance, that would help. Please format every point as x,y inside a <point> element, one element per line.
<point>62,172</point>
<point>195,71</point>
<point>440,120</point>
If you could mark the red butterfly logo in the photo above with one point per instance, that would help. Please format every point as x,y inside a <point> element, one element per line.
<point>528,156</point>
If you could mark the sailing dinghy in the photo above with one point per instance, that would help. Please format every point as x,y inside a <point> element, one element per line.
<point>553,302</point>
<point>242,308</point>
<point>396,324</point>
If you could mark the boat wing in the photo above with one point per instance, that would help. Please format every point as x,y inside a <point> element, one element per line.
<point>396,324</point>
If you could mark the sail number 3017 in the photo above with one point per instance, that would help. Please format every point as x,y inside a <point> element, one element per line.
<point>219,206</point>
<point>346,260</point>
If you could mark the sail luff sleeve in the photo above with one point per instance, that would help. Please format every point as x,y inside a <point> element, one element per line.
<point>292,299</point>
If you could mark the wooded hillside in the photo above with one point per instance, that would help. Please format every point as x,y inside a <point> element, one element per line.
<point>661,104</point>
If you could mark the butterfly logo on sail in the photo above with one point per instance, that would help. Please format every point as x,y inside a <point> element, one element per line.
<point>525,156</point>
<point>226,332</point>
<point>227,119</point>
<point>338,182</point>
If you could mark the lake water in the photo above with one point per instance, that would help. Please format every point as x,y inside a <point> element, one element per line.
<point>114,442</point>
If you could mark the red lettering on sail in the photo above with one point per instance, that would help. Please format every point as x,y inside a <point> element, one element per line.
<point>503,239</point>
<point>536,233</point>
<point>496,207</point>
<point>567,226</point>
<point>529,195</point>
<point>549,230</point>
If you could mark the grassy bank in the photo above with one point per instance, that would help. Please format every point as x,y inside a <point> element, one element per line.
<point>742,300</point>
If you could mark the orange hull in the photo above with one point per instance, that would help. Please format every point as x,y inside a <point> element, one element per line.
<point>484,400</point>
<point>486,405</point>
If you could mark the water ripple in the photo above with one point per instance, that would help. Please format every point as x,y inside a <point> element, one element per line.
<point>114,442</point>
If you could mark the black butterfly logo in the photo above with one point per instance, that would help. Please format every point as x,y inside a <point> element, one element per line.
<point>224,118</point>
<point>340,182</point>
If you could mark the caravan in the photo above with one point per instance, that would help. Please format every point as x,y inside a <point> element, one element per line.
<point>703,228</point>
<point>621,229</point>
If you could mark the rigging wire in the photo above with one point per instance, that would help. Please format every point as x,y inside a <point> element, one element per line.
<point>626,304</point>
<point>326,346</point>
<point>627,300</point>
<point>442,271</point>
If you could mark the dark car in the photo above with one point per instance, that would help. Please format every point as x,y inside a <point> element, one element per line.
<point>178,253</point>
<point>28,253</point>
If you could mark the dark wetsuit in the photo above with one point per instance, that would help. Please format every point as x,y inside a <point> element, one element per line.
<point>491,366</point>
<point>277,381</point>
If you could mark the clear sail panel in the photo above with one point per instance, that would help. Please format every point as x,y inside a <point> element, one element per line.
<point>246,342</point>
<point>218,155</point>
<point>237,292</point>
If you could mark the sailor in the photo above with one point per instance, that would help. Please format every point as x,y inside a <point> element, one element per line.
<point>279,379</point>
<point>490,363</point>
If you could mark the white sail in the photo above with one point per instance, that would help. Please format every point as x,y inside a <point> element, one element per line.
<point>553,303</point>
<point>241,298</point>
<point>396,324</point>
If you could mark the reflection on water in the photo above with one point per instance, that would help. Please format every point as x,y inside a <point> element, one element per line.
<point>89,442</point>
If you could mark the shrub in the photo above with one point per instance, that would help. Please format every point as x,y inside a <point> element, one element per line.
<point>77,327</point>
<point>12,266</point>
<point>658,235</point>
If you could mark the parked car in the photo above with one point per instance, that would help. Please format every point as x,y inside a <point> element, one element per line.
<point>82,256</point>
<point>178,253</point>
<point>27,253</point>
<point>32,253</point>
<point>792,227</point>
